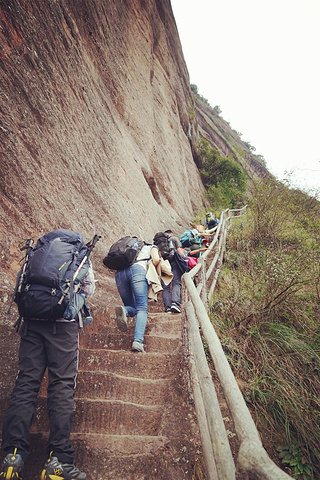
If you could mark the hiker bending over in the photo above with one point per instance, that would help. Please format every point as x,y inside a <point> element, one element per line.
<point>48,341</point>
<point>171,293</point>
<point>211,223</point>
<point>133,289</point>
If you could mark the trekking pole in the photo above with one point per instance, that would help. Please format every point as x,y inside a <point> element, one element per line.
<point>90,247</point>
<point>28,247</point>
<point>69,288</point>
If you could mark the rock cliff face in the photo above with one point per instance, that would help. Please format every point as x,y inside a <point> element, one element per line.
<point>94,102</point>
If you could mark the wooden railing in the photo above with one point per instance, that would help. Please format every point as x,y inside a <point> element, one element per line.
<point>253,462</point>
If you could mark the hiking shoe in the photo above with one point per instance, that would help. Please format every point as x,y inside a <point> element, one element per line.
<point>121,319</point>
<point>12,466</point>
<point>137,347</point>
<point>175,308</point>
<point>55,470</point>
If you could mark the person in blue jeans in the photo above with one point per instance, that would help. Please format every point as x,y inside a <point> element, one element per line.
<point>133,289</point>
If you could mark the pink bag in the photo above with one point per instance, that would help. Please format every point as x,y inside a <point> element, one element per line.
<point>192,262</point>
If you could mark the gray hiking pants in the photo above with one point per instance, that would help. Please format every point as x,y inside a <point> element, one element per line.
<point>41,348</point>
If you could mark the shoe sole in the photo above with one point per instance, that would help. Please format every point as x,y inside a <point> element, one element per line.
<point>138,348</point>
<point>175,310</point>
<point>52,476</point>
<point>121,319</point>
<point>9,474</point>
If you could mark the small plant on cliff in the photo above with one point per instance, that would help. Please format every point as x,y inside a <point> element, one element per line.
<point>197,95</point>
<point>262,160</point>
<point>217,110</point>
<point>192,116</point>
<point>250,147</point>
<point>194,88</point>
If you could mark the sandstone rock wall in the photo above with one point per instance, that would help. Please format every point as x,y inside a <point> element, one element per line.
<point>94,111</point>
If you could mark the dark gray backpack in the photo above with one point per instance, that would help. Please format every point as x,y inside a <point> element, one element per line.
<point>164,244</point>
<point>123,253</point>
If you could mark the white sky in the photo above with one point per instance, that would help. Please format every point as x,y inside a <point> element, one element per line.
<point>260,62</point>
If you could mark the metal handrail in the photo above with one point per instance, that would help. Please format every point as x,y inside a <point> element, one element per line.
<point>253,461</point>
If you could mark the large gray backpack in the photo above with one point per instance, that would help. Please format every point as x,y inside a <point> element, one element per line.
<point>45,285</point>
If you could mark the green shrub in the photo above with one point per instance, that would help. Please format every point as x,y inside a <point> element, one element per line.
<point>224,180</point>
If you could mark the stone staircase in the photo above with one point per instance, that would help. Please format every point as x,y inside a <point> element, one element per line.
<point>134,417</point>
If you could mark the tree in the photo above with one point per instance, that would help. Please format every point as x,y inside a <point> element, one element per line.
<point>194,88</point>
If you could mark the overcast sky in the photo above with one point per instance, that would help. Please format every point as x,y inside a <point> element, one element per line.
<point>259,61</point>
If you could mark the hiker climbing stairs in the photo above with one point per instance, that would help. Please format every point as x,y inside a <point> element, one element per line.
<point>134,417</point>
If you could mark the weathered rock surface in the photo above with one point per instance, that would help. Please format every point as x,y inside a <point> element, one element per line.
<point>94,100</point>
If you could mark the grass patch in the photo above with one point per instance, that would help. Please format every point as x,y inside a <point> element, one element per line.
<point>266,311</point>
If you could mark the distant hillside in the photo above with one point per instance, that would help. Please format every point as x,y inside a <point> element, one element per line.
<point>210,125</point>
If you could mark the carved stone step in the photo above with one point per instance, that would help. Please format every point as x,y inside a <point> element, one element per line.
<point>120,457</point>
<point>111,417</point>
<point>170,328</point>
<point>127,363</point>
<point>123,341</point>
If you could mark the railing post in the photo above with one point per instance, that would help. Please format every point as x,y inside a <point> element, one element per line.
<point>204,296</point>
<point>216,427</point>
<point>209,460</point>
